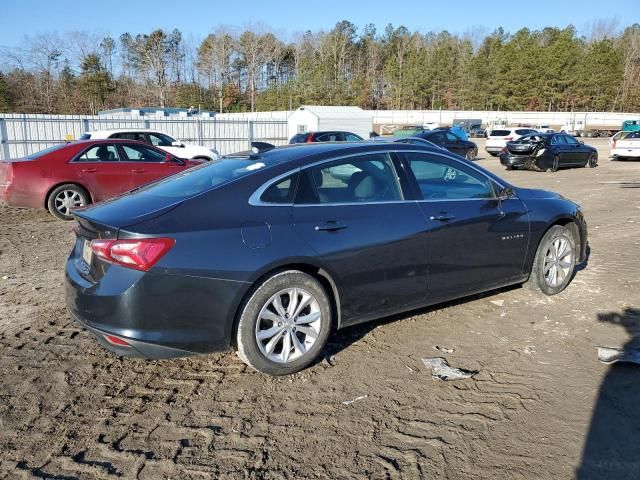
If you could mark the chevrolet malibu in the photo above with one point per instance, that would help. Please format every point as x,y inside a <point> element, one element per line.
<point>269,252</point>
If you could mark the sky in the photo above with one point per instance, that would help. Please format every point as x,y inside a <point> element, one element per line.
<point>197,18</point>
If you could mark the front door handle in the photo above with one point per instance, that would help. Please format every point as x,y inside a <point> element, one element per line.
<point>442,217</point>
<point>330,226</point>
<point>90,170</point>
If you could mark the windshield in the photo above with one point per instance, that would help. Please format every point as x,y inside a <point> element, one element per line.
<point>41,153</point>
<point>202,178</point>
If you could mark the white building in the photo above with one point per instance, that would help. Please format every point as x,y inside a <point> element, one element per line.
<point>314,118</point>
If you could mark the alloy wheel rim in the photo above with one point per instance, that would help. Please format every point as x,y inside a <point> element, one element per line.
<point>67,200</point>
<point>558,261</point>
<point>288,325</point>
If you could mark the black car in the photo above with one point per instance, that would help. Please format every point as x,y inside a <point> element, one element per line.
<point>548,152</point>
<point>448,140</point>
<point>327,136</point>
<point>268,253</point>
<point>478,133</point>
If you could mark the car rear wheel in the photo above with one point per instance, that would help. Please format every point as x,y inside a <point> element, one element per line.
<point>65,198</point>
<point>284,324</point>
<point>493,154</point>
<point>555,165</point>
<point>593,160</point>
<point>471,154</point>
<point>555,260</point>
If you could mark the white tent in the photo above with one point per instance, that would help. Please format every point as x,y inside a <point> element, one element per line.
<point>314,118</point>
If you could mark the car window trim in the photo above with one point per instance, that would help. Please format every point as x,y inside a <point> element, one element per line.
<point>76,157</point>
<point>254,199</point>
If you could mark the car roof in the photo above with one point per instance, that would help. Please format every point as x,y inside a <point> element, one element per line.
<point>110,131</point>
<point>110,140</point>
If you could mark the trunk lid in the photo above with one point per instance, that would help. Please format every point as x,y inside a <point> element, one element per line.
<point>521,148</point>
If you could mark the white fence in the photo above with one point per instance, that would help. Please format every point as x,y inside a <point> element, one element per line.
<point>22,135</point>
<point>419,117</point>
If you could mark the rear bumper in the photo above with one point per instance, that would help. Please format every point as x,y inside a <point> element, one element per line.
<point>625,152</point>
<point>513,160</point>
<point>159,315</point>
<point>494,149</point>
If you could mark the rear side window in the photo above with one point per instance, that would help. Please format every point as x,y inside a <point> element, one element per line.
<point>500,133</point>
<point>281,192</point>
<point>330,137</point>
<point>101,153</point>
<point>202,178</point>
<point>46,151</point>
<point>140,153</point>
<point>299,138</point>
<point>130,136</point>
<point>160,139</point>
<point>365,178</point>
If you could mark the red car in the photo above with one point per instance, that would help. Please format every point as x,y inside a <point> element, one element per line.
<point>75,174</point>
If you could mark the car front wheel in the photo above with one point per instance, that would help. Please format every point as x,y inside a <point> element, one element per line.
<point>593,160</point>
<point>284,324</point>
<point>555,260</point>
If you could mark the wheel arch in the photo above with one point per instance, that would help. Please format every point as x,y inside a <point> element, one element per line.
<point>563,221</point>
<point>59,184</point>
<point>310,269</point>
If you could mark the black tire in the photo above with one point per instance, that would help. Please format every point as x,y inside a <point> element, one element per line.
<point>493,154</point>
<point>471,154</point>
<point>258,300</point>
<point>61,208</point>
<point>537,280</point>
<point>555,165</point>
<point>508,167</point>
<point>593,160</point>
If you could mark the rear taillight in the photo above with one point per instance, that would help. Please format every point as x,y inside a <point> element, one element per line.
<point>139,254</point>
<point>508,138</point>
<point>309,138</point>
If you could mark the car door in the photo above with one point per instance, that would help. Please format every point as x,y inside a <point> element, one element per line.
<point>577,152</point>
<point>454,144</point>
<point>147,164</point>
<point>561,149</point>
<point>372,241</point>
<point>477,240</point>
<point>100,170</point>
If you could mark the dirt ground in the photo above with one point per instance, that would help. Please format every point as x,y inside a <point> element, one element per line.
<point>542,405</point>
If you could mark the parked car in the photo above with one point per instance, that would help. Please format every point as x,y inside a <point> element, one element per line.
<point>297,252</point>
<point>72,175</point>
<point>548,152</point>
<point>409,130</point>
<point>498,138</point>
<point>627,147</point>
<point>545,129</point>
<point>618,136</point>
<point>334,136</point>
<point>448,140</point>
<point>478,133</point>
<point>157,139</point>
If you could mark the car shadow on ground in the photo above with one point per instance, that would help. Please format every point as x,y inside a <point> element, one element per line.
<point>344,338</point>
<point>612,446</point>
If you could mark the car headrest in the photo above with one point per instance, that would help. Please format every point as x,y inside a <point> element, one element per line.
<point>363,185</point>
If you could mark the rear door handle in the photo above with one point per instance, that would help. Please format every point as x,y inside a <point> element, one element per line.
<point>138,170</point>
<point>442,217</point>
<point>90,170</point>
<point>330,226</point>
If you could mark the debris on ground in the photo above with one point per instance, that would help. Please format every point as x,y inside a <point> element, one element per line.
<point>349,402</point>
<point>443,349</point>
<point>611,355</point>
<point>330,361</point>
<point>498,302</point>
<point>441,370</point>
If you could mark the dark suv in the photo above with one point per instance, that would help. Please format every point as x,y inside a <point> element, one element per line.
<point>332,136</point>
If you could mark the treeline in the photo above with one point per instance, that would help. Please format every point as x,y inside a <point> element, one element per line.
<point>550,69</point>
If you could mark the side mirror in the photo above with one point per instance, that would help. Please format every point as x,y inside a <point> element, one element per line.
<point>506,193</point>
<point>581,142</point>
<point>177,144</point>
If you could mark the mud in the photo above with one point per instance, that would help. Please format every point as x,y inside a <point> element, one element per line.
<point>71,410</point>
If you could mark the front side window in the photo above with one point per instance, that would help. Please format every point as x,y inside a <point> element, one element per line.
<point>558,140</point>
<point>100,153</point>
<point>352,137</point>
<point>160,139</point>
<point>364,178</point>
<point>451,137</point>
<point>439,178</point>
<point>570,140</point>
<point>140,153</point>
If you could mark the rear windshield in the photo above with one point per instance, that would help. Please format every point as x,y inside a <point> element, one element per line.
<point>499,133</point>
<point>39,154</point>
<point>202,178</point>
